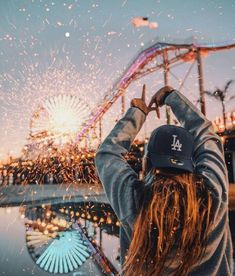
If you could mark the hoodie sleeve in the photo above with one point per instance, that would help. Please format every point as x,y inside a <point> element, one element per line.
<point>208,154</point>
<point>119,180</point>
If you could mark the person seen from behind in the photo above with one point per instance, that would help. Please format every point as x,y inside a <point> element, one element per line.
<point>175,221</point>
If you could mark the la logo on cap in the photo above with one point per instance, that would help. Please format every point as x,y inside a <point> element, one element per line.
<point>176,145</point>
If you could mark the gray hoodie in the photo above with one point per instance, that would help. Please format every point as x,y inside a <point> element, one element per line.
<point>125,191</point>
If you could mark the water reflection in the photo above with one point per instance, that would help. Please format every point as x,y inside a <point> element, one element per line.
<point>60,238</point>
<point>57,252</point>
<point>98,228</point>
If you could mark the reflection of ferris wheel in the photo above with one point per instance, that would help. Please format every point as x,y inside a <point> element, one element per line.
<point>59,118</point>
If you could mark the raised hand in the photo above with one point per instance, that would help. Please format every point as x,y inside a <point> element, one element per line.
<point>160,96</point>
<point>141,103</point>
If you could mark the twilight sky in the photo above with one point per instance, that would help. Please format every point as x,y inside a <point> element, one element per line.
<point>81,47</point>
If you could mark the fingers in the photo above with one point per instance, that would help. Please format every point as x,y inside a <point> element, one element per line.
<point>151,102</point>
<point>156,109</point>
<point>143,97</point>
<point>158,112</point>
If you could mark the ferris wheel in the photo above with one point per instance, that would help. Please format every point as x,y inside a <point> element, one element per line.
<point>58,119</point>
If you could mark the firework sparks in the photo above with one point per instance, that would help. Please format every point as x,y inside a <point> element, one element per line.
<point>48,98</point>
<point>59,116</point>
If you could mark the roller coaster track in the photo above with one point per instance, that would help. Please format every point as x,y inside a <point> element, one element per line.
<point>147,62</point>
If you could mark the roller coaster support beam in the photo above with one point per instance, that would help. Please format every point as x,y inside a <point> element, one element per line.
<point>166,82</point>
<point>201,82</point>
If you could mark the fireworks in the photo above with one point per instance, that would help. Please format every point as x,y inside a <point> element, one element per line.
<point>72,52</point>
<point>56,100</point>
<point>48,106</point>
<point>59,118</point>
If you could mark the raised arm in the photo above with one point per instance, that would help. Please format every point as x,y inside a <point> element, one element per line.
<point>116,175</point>
<point>208,152</point>
<point>119,180</point>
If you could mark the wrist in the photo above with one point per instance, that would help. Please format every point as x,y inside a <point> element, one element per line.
<point>167,94</point>
<point>140,105</point>
<point>142,110</point>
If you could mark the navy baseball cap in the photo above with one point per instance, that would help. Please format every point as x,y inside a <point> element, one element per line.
<point>171,147</point>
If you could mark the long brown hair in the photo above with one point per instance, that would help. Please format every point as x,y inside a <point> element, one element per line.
<point>171,230</point>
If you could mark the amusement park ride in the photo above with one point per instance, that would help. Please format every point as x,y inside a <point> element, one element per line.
<point>67,118</point>
<point>159,56</point>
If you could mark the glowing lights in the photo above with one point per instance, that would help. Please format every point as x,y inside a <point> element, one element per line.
<point>48,214</point>
<point>218,123</point>
<point>63,238</point>
<point>88,216</point>
<point>59,118</point>
<point>49,103</point>
<point>109,220</point>
<point>101,220</point>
